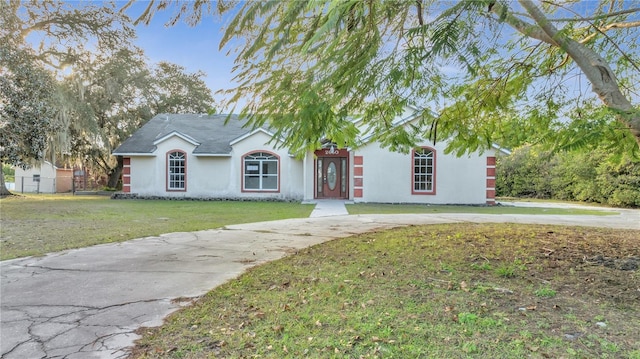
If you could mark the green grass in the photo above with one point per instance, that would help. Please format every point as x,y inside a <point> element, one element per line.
<point>458,290</point>
<point>545,292</point>
<point>39,224</point>
<point>420,292</point>
<point>362,208</point>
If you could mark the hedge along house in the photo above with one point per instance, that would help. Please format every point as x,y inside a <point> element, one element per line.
<point>201,156</point>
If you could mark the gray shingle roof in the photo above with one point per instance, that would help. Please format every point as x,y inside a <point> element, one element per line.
<point>211,132</point>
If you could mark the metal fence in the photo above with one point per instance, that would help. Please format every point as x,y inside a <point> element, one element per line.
<point>35,184</point>
<point>61,184</point>
<point>40,184</point>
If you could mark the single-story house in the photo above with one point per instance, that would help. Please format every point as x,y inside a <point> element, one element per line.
<point>214,156</point>
<point>43,178</point>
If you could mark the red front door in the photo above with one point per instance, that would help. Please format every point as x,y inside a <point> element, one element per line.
<point>331,177</point>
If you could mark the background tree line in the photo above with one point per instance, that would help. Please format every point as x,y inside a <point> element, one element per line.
<point>591,176</point>
<point>73,85</point>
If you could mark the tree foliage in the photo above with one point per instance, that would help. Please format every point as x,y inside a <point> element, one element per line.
<point>100,86</point>
<point>26,117</point>
<point>38,38</point>
<point>479,71</point>
<point>594,175</point>
<point>113,95</point>
<point>63,33</point>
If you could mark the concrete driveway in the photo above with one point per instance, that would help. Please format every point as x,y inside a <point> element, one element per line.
<point>88,303</point>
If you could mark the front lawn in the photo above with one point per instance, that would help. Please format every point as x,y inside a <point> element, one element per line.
<point>439,291</point>
<point>39,224</point>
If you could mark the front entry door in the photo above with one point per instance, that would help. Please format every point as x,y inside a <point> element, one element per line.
<point>331,179</point>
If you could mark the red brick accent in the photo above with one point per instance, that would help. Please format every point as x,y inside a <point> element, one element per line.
<point>126,161</point>
<point>126,180</point>
<point>358,170</point>
<point>491,180</point>
<point>126,170</point>
<point>126,189</point>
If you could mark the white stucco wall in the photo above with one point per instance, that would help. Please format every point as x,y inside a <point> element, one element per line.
<point>308,164</point>
<point>387,177</point>
<point>144,176</point>
<point>291,169</point>
<point>213,176</point>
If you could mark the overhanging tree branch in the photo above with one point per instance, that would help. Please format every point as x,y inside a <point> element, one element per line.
<point>595,68</point>
<point>523,27</point>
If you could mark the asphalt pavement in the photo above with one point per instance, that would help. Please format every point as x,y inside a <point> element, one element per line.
<point>89,302</point>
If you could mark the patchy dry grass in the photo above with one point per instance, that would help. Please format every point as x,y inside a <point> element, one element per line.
<point>440,291</point>
<point>39,224</point>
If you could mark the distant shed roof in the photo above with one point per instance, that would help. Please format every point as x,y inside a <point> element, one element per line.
<point>213,136</point>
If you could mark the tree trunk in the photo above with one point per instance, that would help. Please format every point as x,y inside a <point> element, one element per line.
<point>3,187</point>
<point>596,69</point>
<point>115,173</point>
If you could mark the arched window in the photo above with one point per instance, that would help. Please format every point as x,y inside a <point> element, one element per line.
<point>260,172</point>
<point>176,171</point>
<point>424,170</point>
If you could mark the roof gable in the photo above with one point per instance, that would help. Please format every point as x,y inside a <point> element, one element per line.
<point>176,134</point>
<point>250,134</point>
<point>398,121</point>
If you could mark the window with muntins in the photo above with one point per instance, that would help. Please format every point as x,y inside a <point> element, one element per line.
<point>260,172</point>
<point>176,171</point>
<point>423,171</point>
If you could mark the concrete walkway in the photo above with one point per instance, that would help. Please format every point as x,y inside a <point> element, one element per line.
<point>329,208</point>
<point>88,303</point>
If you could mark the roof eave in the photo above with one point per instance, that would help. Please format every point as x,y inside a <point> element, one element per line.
<point>134,154</point>
<point>212,154</point>
<point>249,134</point>
<point>176,134</point>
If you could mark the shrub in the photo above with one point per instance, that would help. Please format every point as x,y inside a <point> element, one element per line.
<point>589,176</point>
<point>525,173</point>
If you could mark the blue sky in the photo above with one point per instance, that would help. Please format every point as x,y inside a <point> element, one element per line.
<point>195,48</point>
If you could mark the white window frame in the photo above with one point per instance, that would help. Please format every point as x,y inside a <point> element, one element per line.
<point>176,171</point>
<point>423,168</point>
<point>258,160</point>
